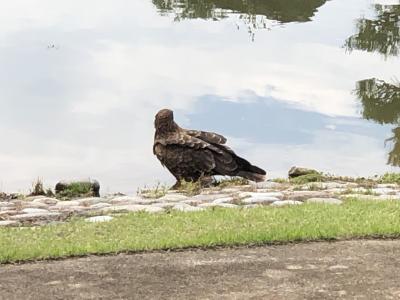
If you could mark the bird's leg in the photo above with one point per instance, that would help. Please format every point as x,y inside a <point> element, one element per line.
<point>206,181</point>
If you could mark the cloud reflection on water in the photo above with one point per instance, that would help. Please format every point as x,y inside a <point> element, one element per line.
<point>86,109</point>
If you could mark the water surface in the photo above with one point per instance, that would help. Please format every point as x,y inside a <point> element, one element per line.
<point>311,83</point>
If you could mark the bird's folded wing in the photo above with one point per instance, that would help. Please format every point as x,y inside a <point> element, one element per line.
<point>191,142</point>
<point>209,137</point>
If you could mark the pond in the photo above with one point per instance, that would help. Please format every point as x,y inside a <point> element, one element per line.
<point>288,82</point>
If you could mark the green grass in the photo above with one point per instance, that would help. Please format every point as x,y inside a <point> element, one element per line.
<point>213,227</point>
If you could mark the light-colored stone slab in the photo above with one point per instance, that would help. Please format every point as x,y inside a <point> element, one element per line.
<point>224,205</point>
<point>384,191</point>
<point>173,198</point>
<point>35,216</point>
<point>223,200</point>
<point>270,185</point>
<point>46,200</point>
<point>128,208</point>
<point>325,201</point>
<point>286,202</point>
<point>8,223</point>
<point>258,198</point>
<point>303,195</point>
<point>192,202</point>
<point>126,200</point>
<point>387,185</point>
<point>7,213</point>
<point>99,219</point>
<point>187,207</point>
<point>89,201</point>
<point>34,210</point>
<point>100,205</point>
<point>67,203</point>
<point>74,208</point>
<point>7,208</point>
<point>231,190</point>
<point>35,204</point>
<point>261,195</point>
<point>210,197</point>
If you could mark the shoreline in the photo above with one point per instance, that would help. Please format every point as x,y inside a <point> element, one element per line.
<point>37,210</point>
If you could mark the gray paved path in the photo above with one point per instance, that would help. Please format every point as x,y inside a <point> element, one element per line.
<point>341,270</point>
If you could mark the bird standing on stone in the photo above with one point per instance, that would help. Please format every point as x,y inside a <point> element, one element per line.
<point>190,154</point>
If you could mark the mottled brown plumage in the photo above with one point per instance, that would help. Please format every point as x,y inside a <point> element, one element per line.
<point>192,154</point>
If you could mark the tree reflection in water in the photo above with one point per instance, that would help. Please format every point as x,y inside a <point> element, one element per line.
<point>381,103</point>
<point>255,14</point>
<point>379,35</point>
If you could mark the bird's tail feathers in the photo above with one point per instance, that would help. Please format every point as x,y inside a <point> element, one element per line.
<point>252,176</point>
<point>257,170</point>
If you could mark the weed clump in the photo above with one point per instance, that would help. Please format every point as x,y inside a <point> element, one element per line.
<point>76,190</point>
<point>37,188</point>
<point>390,178</point>
<point>190,188</point>
<point>158,191</point>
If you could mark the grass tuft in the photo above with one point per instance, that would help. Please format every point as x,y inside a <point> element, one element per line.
<point>158,191</point>
<point>37,188</point>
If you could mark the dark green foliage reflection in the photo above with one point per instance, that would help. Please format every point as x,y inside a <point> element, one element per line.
<point>379,35</point>
<point>381,103</point>
<point>280,10</point>
<point>253,13</point>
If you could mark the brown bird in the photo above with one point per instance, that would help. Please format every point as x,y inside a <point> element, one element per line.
<point>192,154</point>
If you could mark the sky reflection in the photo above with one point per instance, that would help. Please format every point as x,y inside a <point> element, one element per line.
<point>85,107</point>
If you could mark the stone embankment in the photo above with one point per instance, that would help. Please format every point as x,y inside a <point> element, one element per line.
<point>40,210</point>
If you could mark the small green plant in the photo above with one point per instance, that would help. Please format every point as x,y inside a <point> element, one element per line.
<point>390,178</point>
<point>76,190</point>
<point>158,191</point>
<point>37,188</point>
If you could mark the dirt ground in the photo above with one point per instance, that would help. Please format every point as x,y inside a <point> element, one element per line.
<point>340,270</point>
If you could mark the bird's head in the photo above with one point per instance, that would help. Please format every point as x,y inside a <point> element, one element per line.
<point>164,120</point>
